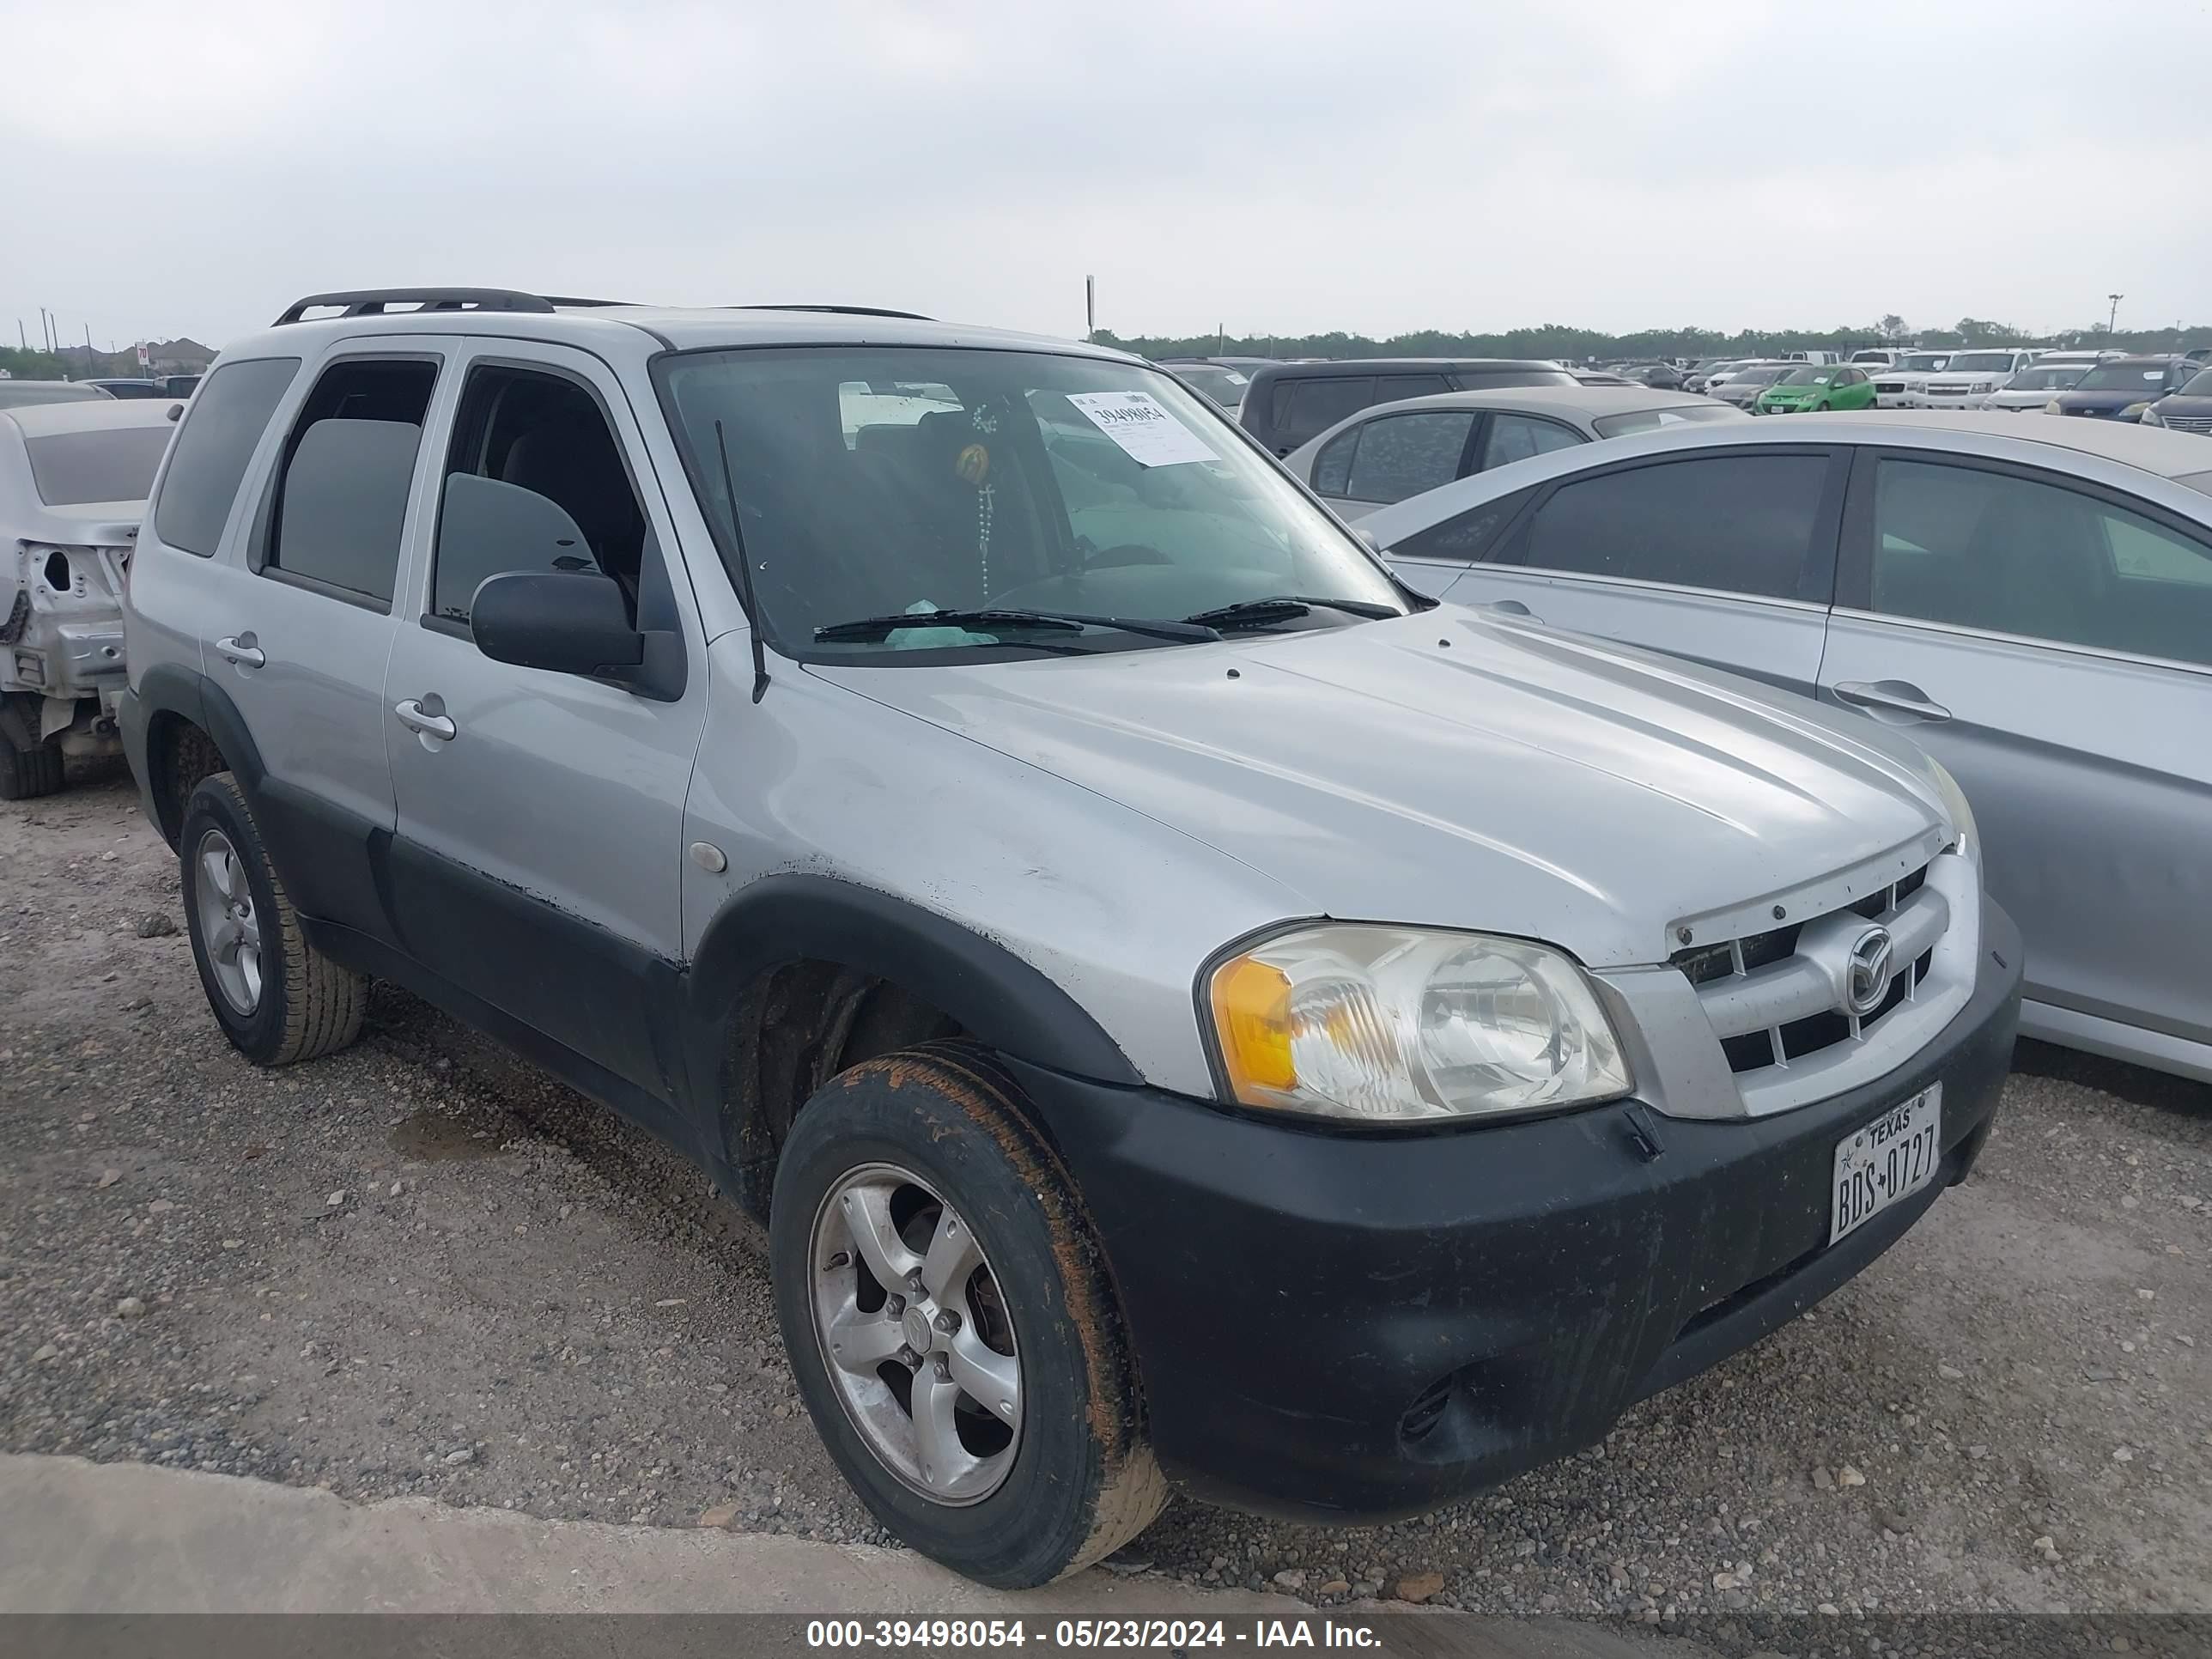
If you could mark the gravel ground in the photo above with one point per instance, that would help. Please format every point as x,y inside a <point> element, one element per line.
<point>423,1267</point>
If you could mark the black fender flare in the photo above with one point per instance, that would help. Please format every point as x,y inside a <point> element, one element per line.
<point>998,998</point>
<point>171,689</point>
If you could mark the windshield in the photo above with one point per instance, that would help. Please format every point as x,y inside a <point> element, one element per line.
<point>2121,377</point>
<point>1924,362</point>
<point>2199,386</point>
<point>1021,481</point>
<point>2057,377</point>
<point>1980,362</point>
<point>1224,385</point>
<point>1880,359</point>
<point>1808,377</point>
<point>1645,420</point>
<point>115,465</point>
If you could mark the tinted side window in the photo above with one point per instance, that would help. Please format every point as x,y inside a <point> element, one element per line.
<point>1315,406</point>
<point>1517,437</point>
<point>1395,388</point>
<point>1332,466</point>
<point>221,427</point>
<point>1993,550</point>
<point>544,433</point>
<point>1468,536</point>
<point>341,496</point>
<point>1742,524</point>
<point>1402,455</point>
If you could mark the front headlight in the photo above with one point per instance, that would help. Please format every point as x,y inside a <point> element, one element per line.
<point>2152,417</point>
<point>2135,412</point>
<point>1398,1025</point>
<point>1962,813</point>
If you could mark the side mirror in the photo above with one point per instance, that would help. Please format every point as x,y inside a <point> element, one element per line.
<point>568,621</point>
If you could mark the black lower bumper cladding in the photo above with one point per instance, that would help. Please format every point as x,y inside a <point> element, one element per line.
<point>1356,1328</point>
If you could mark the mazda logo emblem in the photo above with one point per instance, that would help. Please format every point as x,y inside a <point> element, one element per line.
<point>1871,959</point>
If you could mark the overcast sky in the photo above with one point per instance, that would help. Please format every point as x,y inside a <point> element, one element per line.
<point>1278,167</point>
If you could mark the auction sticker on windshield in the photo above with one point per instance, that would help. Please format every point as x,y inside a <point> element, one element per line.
<point>1147,433</point>
<point>1890,1159</point>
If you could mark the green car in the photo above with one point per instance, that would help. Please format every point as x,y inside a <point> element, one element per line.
<point>1816,386</point>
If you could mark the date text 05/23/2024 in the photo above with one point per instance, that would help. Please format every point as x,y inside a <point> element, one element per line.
<point>953,1635</point>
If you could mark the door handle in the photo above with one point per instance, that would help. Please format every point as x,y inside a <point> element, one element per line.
<point>242,649</point>
<point>1891,697</point>
<point>430,722</point>
<point>1513,608</point>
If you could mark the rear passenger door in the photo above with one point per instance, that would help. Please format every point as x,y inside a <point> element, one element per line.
<point>2051,641</point>
<point>1392,457</point>
<point>1726,558</point>
<point>574,930</point>
<point>300,614</point>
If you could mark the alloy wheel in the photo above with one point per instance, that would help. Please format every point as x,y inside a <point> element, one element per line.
<point>229,930</point>
<point>915,1335</point>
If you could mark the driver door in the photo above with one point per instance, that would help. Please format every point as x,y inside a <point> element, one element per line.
<point>577,934</point>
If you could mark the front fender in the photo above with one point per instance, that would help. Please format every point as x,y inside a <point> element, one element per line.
<point>997,998</point>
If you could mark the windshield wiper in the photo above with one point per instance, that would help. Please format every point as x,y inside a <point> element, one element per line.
<point>1285,607</point>
<point>877,627</point>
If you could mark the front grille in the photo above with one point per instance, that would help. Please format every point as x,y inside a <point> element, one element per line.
<point>1947,392</point>
<point>1769,996</point>
<point>2189,423</point>
<point>1889,388</point>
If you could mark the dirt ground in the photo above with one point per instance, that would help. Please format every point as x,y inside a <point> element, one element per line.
<point>423,1267</point>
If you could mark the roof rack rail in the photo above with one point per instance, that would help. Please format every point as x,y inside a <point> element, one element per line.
<point>371,302</point>
<point>843,311</point>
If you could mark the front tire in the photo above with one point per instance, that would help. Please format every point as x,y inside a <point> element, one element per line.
<point>277,999</point>
<point>950,1324</point>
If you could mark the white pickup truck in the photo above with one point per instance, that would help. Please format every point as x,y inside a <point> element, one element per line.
<point>1968,377</point>
<point>1899,387</point>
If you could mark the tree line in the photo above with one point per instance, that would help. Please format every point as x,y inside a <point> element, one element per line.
<point>68,364</point>
<point>1557,341</point>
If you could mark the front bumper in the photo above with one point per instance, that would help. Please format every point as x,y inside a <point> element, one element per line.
<point>1354,1328</point>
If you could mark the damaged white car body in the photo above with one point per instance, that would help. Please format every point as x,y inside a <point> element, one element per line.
<point>73,483</point>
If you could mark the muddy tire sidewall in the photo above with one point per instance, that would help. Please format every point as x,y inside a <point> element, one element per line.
<point>950,1127</point>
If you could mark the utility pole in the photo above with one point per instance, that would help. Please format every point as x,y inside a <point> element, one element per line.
<point>2113,318</point>
<point>1090,309</point>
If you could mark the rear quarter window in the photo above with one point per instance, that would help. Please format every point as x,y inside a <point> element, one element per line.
<point>222,423</point>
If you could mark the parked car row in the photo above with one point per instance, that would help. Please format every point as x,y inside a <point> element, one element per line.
<point>2032,602</point>
<point>14,393</point>
<point>1100,915</point>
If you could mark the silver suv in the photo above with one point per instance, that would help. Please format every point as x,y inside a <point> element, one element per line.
<point>1186,1007</point>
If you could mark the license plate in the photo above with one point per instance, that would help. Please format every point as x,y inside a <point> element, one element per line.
<point>1888,1161</point>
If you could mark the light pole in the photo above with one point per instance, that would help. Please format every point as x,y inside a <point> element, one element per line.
<point>2114,316</point>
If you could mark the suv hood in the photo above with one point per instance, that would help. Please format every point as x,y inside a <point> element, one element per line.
<point>1453,768</point>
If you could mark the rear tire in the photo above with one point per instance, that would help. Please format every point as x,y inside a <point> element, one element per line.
<point>277,999</point>
<point>932,1137</point>
<point>27,774</point>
